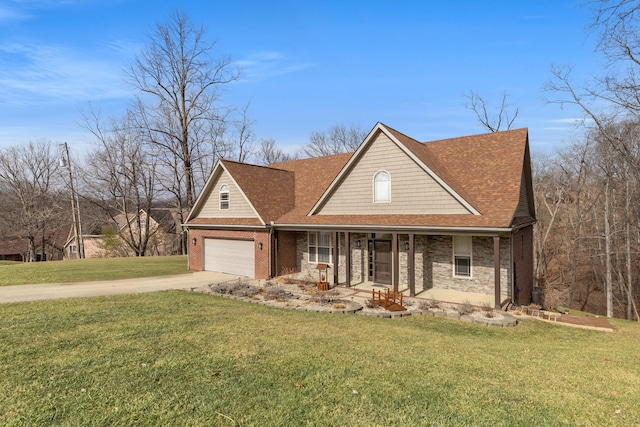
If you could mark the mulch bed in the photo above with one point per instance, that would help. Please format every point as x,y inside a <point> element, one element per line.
<point>597,322</point>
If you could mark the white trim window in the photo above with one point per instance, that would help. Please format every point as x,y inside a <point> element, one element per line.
<point>224,196</point>
<point>381,187</point>
<point>462,256</point>
<point>72,249</point>
<point>320,247</point>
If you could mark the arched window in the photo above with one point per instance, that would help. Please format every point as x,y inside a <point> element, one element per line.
<point>224,196</point>
<point>382,187</point>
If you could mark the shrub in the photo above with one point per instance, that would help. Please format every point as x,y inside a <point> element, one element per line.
<point>323,297</point>
<point>465,308</point>
<point>237,288</point>
<point>488,310</point>
<point>428,304</point>
<point>275,292</point>
<point>288,274</point>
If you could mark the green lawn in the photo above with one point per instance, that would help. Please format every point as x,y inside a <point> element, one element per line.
<point>188,359</point>
<point>20,273</point>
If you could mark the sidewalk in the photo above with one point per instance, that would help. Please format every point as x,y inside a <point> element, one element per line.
<point>110,287</point>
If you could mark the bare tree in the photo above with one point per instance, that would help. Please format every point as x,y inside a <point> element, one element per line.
<point>338,139</point>
<point>492,122</point>
<point>31,187</point>
<point>244,136</point>
<point>179,83</point>
<point>550,190</point>
<point>120,175</point>
<point>269,152</point>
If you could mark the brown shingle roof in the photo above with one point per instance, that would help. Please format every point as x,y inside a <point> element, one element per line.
<point>485,170</point>
<point>270,190</point>
<point>489,167</point>
<point>313,176</point>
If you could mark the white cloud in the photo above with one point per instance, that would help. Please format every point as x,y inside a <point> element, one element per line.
<point>36,73</point>
<point>9,14</point>
<point>265,64</point>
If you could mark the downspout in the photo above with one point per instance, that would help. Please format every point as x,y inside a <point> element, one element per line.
<point>270,226</point>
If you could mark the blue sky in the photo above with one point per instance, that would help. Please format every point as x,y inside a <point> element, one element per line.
<point>306,65</point>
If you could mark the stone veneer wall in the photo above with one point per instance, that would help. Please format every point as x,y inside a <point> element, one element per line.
<point>308,270</point>
<point>439,271</point>
<point>433,260</point>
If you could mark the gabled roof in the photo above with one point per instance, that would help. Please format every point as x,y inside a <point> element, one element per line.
<point>483,172</point>
<point>270,192</point>
<point>404,143</point>
<point>490,166</point>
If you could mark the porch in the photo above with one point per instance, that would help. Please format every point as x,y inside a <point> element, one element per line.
<point>415,264</point>
<point>438,294</point>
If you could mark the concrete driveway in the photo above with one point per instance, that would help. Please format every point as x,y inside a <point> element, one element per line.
<point>110,287</point>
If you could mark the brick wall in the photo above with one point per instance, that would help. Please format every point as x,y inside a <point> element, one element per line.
<point>196,252</point>
<point>286,252</point>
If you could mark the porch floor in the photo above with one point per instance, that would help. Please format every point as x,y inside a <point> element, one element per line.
<point>444,295</point>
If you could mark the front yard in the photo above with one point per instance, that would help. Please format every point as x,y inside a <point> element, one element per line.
<point>91,269</point>
<point>178,358</point>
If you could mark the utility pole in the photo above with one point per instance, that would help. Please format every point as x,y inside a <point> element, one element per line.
<point>75,207</point>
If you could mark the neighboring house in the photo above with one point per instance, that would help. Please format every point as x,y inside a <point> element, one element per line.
<point>453,216</point>
<point>17,249</point>
<point>106,241</point>
<point>12,249</point>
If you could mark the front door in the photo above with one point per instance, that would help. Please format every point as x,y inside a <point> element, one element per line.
<point>382,261</point>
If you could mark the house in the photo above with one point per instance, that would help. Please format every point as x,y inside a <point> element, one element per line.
<point>450,219</point>
<point>12,249</point>
<point>47,248</point>
<point>107,240</point>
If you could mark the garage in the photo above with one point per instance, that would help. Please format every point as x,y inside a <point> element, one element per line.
<point>230,256</point>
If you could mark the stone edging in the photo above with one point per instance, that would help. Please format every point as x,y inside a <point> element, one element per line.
<point>507,319</point>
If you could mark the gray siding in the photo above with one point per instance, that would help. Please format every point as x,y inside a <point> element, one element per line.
<point>413,191</point>
<point>239,207</point>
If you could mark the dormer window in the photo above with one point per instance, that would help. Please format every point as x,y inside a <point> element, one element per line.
<point>382,187</point>
<point>224,196</point>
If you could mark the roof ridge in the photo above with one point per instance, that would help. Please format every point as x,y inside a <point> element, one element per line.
<point>306,159</point>
<point>476,135</point>
<point>252,164</point>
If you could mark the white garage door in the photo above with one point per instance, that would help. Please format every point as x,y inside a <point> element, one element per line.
<point>229,256</point>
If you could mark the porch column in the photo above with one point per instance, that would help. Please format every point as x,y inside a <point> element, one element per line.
<point>411,266</point>
<point>395,271</point>
<point>347,258</point>
<point>336,244</point>
<point>496,269</point>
